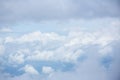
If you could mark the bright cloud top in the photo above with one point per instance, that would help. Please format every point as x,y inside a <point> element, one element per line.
<point>51,56</point>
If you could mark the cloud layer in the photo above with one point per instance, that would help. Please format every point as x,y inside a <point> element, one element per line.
<point>37,10</point>
<point>49,55</point>
<point>59,40</point>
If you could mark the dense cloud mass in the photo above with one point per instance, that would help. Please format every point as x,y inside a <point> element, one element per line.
<point>59,40</point>
<point>12,11</point>
<point>40,56</point>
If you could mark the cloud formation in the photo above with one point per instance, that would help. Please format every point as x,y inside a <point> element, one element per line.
<point>59,39</point>
<point>30,70</point>
<point>37,10</point>
<point>49,55</point>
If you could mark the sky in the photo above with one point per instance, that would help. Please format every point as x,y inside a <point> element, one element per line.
<point>59,40</point>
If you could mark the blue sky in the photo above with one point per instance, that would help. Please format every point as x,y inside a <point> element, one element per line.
<point>59,40</point>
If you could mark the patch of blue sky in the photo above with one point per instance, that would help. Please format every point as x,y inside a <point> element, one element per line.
<point>13,71</point>
<point>56,65</point>
<point>106,61</point>
<point>60,26</point>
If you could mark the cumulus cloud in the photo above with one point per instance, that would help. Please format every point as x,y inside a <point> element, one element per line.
<point>54,47</point>
<point>91,69</point>
<point>50,55</point>
<point>47,70</point>
<point>30,69</point>
<point>16,58</point>
<point>59,40</point>
<point>36,36</point>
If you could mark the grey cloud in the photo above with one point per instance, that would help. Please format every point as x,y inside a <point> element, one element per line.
<point>12,11</point>
<point>92,70</point>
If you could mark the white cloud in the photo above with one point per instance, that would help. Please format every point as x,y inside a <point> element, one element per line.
<point>115,23</point>
<point>46,55</point>
<point>105,50</point>
<point>30,70</point>
<point>17,58</point>
<point>4,29</point>
<point>30,37</point>
<point>54,47</point>
<point>103,40</point>
<point>42,37</point>
<point>71,49</point>
<point>24,51</point>
<point>47,70</point>
<point>2,49</point>
<point>36,46</point>
<point>58,55</point>
<point>9,39</point>
<point>90,69</point>
<point>80,38</point>
<point>69,55</point>
<point>83,38</point>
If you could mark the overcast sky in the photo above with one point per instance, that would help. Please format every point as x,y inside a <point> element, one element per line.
<point>59,39</point>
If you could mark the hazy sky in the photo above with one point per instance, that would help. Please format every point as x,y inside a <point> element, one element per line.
<point>59,40</point>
